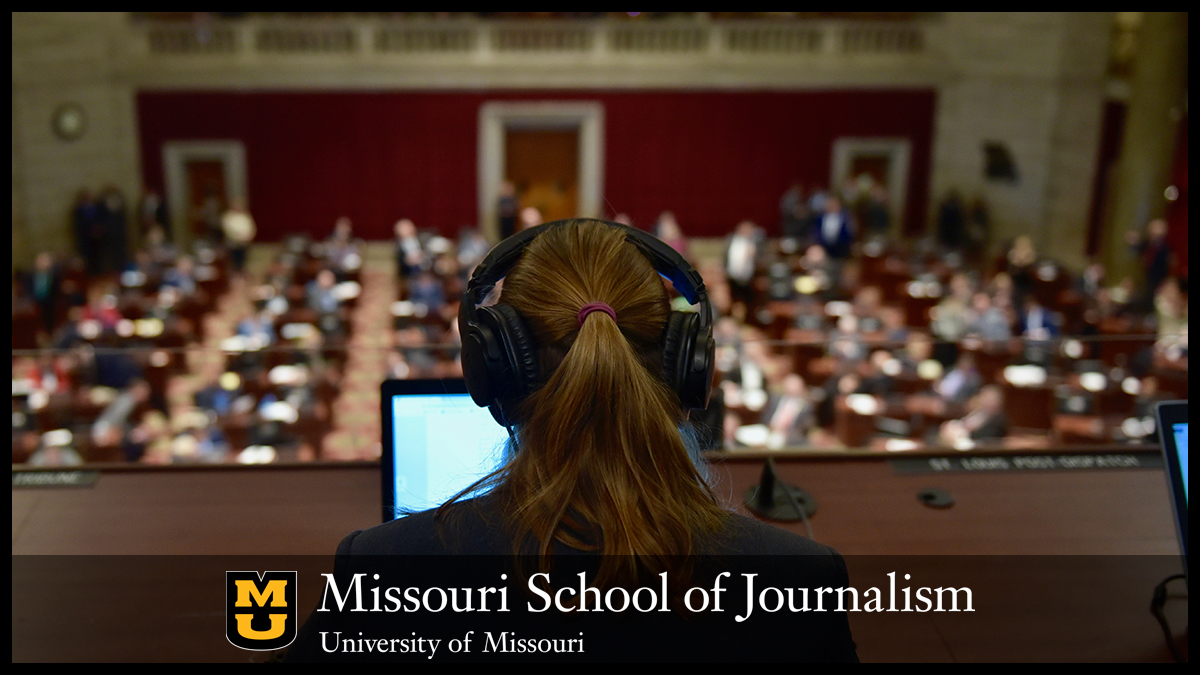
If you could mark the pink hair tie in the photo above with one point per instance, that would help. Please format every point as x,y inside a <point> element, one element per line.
<point>596,307</point>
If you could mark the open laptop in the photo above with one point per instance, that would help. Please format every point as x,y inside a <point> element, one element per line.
<point>1173,429</point>
<point>436,443</point>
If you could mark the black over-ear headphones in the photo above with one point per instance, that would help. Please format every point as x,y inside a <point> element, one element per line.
<point>499,358</point>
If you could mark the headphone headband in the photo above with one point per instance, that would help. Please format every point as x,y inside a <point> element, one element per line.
<point>499,357</point>
<point>665,260</point>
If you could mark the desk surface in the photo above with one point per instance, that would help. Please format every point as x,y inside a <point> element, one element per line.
<point>1117,521</point>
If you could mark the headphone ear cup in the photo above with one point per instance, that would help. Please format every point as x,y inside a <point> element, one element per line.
<point>682,346</point>
<point>676,351</point>
<point>518,374</point>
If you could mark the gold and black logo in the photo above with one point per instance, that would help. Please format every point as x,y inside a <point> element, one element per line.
<point>260,609</point>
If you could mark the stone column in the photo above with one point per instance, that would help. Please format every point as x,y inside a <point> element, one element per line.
<point>1157,95</point>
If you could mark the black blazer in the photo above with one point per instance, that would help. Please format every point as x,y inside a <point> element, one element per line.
<point>471,545</point>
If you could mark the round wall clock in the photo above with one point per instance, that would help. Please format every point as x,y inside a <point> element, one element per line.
<point>69,121</point>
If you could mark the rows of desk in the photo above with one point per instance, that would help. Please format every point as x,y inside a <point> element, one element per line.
<point>1042,549</point>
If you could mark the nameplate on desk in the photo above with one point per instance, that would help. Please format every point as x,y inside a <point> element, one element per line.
<point>52,479</point>
<point>1072,462</point>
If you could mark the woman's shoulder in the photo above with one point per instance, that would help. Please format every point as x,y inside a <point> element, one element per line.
<point>461,528</point>
<point>742,535</point>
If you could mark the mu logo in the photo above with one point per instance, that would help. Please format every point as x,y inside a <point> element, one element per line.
<point>260,609</point>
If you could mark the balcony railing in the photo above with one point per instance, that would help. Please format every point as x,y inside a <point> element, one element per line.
<point>601,40</point>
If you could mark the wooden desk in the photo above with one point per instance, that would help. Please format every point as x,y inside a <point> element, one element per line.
<point>1111,528</point>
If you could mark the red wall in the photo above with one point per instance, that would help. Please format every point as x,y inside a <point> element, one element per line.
<point>713,158</point>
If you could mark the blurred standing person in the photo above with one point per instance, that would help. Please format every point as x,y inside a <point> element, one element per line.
<point>877,220</point>
<point>741,262</point>
<point>43,285</point>
<point>507,209</point>
<point>816,201</point>
<point>834,230</point>
<point>979,230</point>
<point>151,213</point>
<point>113,221</point>
<point>239,231</point>
<point>1155,255</point>
<point>89,231</point>
<point>1021,259</point>
<point>793,212</point>
<point>952,222</point>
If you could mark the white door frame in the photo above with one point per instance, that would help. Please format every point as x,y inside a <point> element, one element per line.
<point>177,154</point>
<point>496,117</point>
<point>897,150</point>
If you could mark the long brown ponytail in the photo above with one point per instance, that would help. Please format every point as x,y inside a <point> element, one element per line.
<point>601,463</point>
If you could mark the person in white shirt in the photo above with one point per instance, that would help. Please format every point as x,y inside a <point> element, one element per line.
<point>239,231</point>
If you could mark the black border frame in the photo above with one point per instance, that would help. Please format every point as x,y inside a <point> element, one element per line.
<point>1169,414</point>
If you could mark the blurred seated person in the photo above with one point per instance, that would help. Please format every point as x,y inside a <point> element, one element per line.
<point>342,250</point>
<point>429,291</point>
<point>822,273</point>
<point>148,431</point>
<point>182,276</point>
<point>950,319</point>
<point>220,395</point>
<point>667,229</point>
<point>144,271</point>
<point>727,335</point>
<point>961,383</point>
<point>397,366</point>
<point>200,444</point>
<point>46,373</point>
<point>414,344</point>
<point>55,455</point>
<point>868,303</point>
<point>1038,323</point>
<point>259,327</point>
<point>114,424</point>
<point>321,296</point>
<point>878,373</point>
<point>114,366</point>
<point>846,341</point>
<point>790,414</point>
<point>895,331</point>
<point>161,251</point>
<point>473,247</point>
<point>987,321</point>
<point>103,309</point>
<point>984,421</point>
<point>448,271</point>
<point>1171,309</point>
<point>529,217</point>
<point>746,382</point>
<point>410,254</point>
<point>1090,282</point>
<point>833,229</point>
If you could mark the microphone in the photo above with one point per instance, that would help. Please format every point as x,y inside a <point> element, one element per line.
<point>775,499</point>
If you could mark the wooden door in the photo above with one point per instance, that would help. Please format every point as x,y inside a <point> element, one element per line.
<point>206,196</point>
<point>544,167</point>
